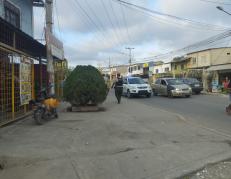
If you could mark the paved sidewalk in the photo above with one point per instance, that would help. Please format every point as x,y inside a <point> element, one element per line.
<point>127,141</point>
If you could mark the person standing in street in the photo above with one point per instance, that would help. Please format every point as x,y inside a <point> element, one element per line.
<point>227,86</point>
<point>118,86</point>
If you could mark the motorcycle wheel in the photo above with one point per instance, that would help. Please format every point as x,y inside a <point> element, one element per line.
<point>38,117</point>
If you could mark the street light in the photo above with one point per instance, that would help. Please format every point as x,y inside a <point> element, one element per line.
<point>221,9</point>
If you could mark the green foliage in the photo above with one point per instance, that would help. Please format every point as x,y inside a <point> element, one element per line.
<point>85,85</point>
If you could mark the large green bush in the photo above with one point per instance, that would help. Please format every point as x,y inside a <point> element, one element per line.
<point>85,85</point>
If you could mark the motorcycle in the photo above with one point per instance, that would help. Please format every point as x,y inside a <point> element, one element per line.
<point>45,107</point>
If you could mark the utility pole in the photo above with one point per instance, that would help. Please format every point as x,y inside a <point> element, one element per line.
<point>49,29</point>
<point>130,56</point>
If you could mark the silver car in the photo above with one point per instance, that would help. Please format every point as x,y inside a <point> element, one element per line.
<point>171,87</point>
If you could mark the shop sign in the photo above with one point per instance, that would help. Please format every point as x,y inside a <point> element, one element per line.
<point>25,81</point>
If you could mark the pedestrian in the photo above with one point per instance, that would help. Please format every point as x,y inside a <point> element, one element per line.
<point>226,83</point>
<point>229,89</point>
<point>227,86</point>
<point>118,86</point>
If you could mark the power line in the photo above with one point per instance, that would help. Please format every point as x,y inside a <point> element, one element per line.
<point>193,46</point>
<point>117,21</point>
<point>111,22</point>
<point>96,16</point>
<point>176,23</point>
<point>185,20</point>
<point>125,23</point>
<point>57,17</point>
<point>78,5</point>
<point>216,2</point>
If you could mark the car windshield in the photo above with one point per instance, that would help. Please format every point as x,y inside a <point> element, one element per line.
<point>192,80</point>
<point>136,81</point>
<point>175,82</point>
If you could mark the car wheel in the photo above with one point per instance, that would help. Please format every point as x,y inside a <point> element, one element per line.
<point>188,96</point>
<point>129,94</point>
<point>154,92</point>
<point>148,95</point>
<point>198,92</point>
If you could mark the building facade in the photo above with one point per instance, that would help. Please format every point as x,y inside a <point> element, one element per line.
<point>215,64</point>
<point>19,55</point>
<point>180,66</point>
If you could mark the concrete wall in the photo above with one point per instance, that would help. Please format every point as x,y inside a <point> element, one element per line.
<point>26,13</point>
<point>220,56</point>
<point>202,59</point>
<point>210,57</point>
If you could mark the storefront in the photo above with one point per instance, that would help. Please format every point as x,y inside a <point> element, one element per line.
<point>218,74</point>
<point>19,53</point>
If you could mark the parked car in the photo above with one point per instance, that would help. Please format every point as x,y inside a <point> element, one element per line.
<point>196,85</point>
<point>171,87</point>
<point>136,86</point>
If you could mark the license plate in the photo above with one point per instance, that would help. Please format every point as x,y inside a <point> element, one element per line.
<point>197,85</point>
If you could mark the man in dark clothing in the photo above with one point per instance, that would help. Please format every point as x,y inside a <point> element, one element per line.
<point>118,86</point>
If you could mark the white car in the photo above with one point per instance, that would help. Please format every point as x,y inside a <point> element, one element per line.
<point>136,86</point>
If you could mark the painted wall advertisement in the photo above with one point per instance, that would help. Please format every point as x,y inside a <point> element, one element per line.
<point>25,81</point>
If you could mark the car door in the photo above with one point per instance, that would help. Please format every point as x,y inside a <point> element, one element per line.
<point>156,86</point>
<point>163,87</point>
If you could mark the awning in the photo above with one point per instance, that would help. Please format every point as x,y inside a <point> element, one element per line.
<point>220,67</point>
<point>23,42</point>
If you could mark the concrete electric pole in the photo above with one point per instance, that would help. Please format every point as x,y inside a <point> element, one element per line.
<point>130,56</point>
<point>49,29</point>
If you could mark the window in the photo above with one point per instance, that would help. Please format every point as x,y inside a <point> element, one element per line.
<point>157,82</point>
<point>166,69</point>
<point>125,81</point>
<point>182,66</point>
<point>228,53</point>
<point>138,67</point>
<point>163,82</point>
<point>194,61</point>
<point>135,68</point>
<point>175,67</point>
<point>157,71</point>
<point>12,14</point>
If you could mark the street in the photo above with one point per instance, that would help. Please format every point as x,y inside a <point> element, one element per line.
<point>205,110</point>
<point>140,138</point>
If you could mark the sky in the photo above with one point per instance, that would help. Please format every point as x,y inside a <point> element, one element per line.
<point>94,31</point>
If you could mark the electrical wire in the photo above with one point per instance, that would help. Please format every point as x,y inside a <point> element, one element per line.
<point>180,19</point>
<point>116,21</point>
<point>96,16</point>
<point>110,21</point>
<point>57,17</point>
<point>216,2</point>
<point>85,13</point>
<point>125,23</point>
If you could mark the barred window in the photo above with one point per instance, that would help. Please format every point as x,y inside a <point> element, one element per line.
<point>12,14</point>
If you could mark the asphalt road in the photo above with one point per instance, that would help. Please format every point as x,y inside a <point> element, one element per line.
<point>204,110</point>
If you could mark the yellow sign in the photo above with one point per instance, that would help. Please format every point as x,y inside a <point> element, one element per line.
<point>25,81</point>
<point>145,65</point>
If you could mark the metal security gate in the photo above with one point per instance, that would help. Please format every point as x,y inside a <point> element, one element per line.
<point>5,86</point>
<point>11,104</point>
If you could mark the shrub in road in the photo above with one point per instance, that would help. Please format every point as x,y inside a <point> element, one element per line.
<point>85,86</point>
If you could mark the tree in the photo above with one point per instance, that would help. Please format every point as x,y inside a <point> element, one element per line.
<point>85,86</point>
